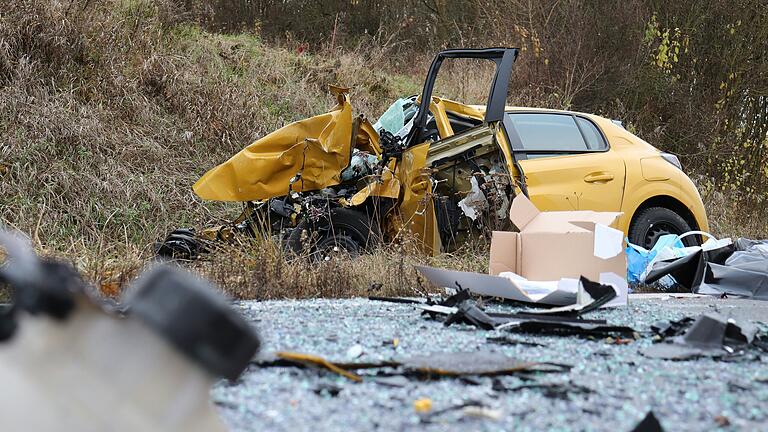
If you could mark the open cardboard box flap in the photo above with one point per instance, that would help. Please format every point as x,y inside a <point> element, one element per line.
<point>527,218</point>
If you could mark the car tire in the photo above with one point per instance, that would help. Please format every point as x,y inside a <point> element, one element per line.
<point>653,222</point>
<point>347,232</point>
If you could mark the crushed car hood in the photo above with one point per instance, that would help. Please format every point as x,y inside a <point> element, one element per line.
<point>318,148</point>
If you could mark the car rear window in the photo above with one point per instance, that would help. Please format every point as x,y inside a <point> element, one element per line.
<point>557,132</point>
<point>593,137</point>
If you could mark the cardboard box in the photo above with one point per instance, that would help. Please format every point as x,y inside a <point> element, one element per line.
<point>561,244</point>
<point>548,255</point>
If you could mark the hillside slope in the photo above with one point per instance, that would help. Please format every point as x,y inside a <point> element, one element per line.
<point>108,115</point>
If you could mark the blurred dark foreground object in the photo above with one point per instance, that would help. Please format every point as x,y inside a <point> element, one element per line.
<point>67,363</point>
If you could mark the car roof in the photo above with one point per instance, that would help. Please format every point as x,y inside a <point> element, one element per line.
<point>509,108</point>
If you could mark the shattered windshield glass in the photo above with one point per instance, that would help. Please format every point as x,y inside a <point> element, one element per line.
<point>396,116</point>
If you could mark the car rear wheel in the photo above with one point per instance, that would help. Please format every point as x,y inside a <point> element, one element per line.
<point>346,232</point>
<point>654,222</point>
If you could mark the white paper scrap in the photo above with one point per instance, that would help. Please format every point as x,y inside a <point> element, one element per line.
<point>619,284</point>
<point>608,241</point>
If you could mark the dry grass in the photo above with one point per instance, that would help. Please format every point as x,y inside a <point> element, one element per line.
<point>259,268</point>
<point>108,114</point>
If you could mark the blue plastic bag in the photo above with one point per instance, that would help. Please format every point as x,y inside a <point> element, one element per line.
<point>638,258</point>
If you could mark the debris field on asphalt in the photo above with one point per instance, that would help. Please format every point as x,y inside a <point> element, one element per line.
<point>411,376</point>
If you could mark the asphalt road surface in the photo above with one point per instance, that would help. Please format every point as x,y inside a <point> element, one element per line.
<point>609,387</point>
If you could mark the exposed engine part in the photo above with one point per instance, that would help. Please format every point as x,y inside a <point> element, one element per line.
<point>361,164</point>
<point>448,218</point>
<point>182,244</point>
<point>337,231</point>
<point>281,207</point>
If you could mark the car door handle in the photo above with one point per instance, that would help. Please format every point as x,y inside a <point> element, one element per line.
<point>598,177</point>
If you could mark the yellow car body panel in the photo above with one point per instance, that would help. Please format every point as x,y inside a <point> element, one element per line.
<point>630,173</point>
<point>660,179</point>
<point>388,186</point>
<point>416,212</point>
<point>318,147</point>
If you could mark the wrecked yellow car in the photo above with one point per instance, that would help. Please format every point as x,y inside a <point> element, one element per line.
<point>435,171</point>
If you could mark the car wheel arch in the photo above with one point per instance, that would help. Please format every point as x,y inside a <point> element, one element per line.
<point>670,203</point>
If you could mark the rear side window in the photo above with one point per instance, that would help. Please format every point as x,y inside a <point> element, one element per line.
<point>557,133</point>
<point>592,136</point>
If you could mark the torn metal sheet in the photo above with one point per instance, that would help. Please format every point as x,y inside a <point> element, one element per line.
<point>445,364</point>
<point>474,363</point>
<point>711,335</point>
<point>318,147</point>
<point>510,286</point>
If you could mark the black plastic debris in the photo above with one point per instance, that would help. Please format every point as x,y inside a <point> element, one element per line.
<point>600,294</point>
<point>468,313</point>
<point>190,314</point>
<point>649,424</point>
<point>562,391</point>
<point>736,279</point>
<point>711,335</point>
<point>506,340</point>
<point>36,286</point>
<point>545,326</point>
<point>462,309</point>
<point>688,271</point>
<point>456,299</point>
<point>740,269</point>
<point>401,300</point>
<point>665,329</point>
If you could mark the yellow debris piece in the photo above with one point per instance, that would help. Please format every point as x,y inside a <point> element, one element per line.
<point>423,405</point>
<point>318,361</point>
